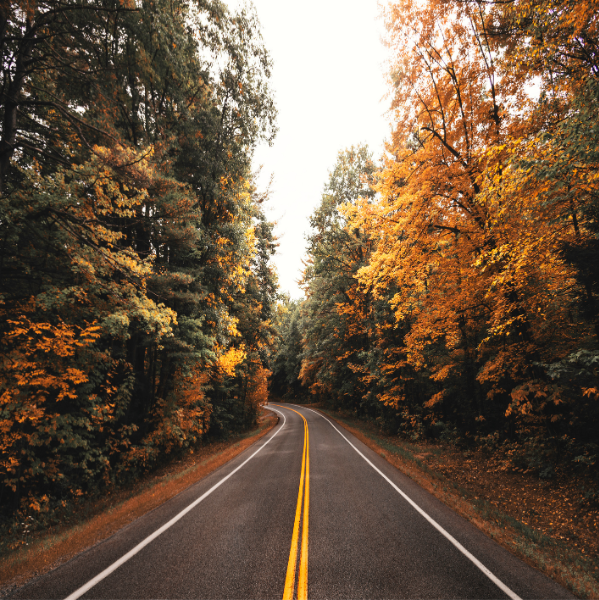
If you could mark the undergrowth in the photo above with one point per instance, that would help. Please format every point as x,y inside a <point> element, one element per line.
<point>24,529</point>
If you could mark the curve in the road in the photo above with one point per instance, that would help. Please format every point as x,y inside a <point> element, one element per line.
<point>374,533</point>
<point>115,565</point>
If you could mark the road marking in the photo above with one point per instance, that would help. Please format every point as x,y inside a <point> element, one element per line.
<point>304,486</point>
<point>290,577</point>
<point>434,523</point>
<point>115,565</point>
<point>302,584</point>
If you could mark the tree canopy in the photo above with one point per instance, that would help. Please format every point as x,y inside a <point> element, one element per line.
<point>136,289</point>
<point>452,287</point>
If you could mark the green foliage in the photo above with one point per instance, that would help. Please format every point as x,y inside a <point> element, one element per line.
<point>136,291</point>
<point>287,359</point>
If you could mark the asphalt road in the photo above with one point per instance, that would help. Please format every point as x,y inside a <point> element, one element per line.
<point>373,533</point>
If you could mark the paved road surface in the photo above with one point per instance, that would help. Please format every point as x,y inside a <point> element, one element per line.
<point>372,533</point>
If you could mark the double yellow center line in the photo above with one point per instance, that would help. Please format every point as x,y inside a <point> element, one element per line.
<point>303,494</point>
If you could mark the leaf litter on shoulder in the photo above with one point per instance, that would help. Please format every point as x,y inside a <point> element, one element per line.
<point>547,523</point>
<point>97,520</point>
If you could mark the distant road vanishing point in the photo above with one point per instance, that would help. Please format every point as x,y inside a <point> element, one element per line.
<point>308,511</point>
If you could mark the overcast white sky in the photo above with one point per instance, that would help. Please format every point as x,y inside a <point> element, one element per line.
<point>329,86</point>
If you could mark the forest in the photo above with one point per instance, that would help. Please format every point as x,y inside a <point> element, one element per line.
<point>136,289</point>
<point>452,286</point>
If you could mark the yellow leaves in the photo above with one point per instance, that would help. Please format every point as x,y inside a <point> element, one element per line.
<point>154,318</point>
<point>231,325</point>
<point>250,240</point>
<point>228,360</point>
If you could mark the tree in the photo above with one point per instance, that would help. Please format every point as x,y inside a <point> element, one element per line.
<point>286,363</point>
<point>338,322</point>
<point>460,293</point>
<point>127,234</point>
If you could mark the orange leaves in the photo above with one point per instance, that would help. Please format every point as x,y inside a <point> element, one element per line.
<point>38,373</point>
<point>32,351</point>
<point>463,289</point>
<point>434,399</point>
<point>257,387</point>
<point>180,420</point>
<point>441,374</point>
<point>467,249</point>
<point>520,402</point>
<point>61,340</point>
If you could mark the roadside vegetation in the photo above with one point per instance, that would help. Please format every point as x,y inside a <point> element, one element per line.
<point>452,286</point>
<point>28,552</point>
<point>136,288</point>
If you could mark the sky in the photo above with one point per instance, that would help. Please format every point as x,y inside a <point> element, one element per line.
<point>329,87</point>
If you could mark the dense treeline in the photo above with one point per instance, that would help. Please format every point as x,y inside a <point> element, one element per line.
<point>136,292</point>
<point>452,289</point>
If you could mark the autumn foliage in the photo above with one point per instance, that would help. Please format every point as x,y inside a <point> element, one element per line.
<point>452,288</point>
<point>135,285</point>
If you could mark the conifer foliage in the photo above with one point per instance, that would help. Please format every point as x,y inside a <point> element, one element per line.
<point>136,291</point>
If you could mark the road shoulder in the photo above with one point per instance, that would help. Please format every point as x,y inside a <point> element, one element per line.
<point>98,520</point>
<point>567,565</point>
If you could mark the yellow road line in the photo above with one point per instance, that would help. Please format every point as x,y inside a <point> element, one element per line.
<point>302,585</point>
<point>290,578</point>
<point>302,591</point>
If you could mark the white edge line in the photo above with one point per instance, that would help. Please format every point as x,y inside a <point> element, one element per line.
<point>115,565</point>
<point>434,523</point>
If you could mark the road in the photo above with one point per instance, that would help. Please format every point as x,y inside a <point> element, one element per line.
<point>307,511</point>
